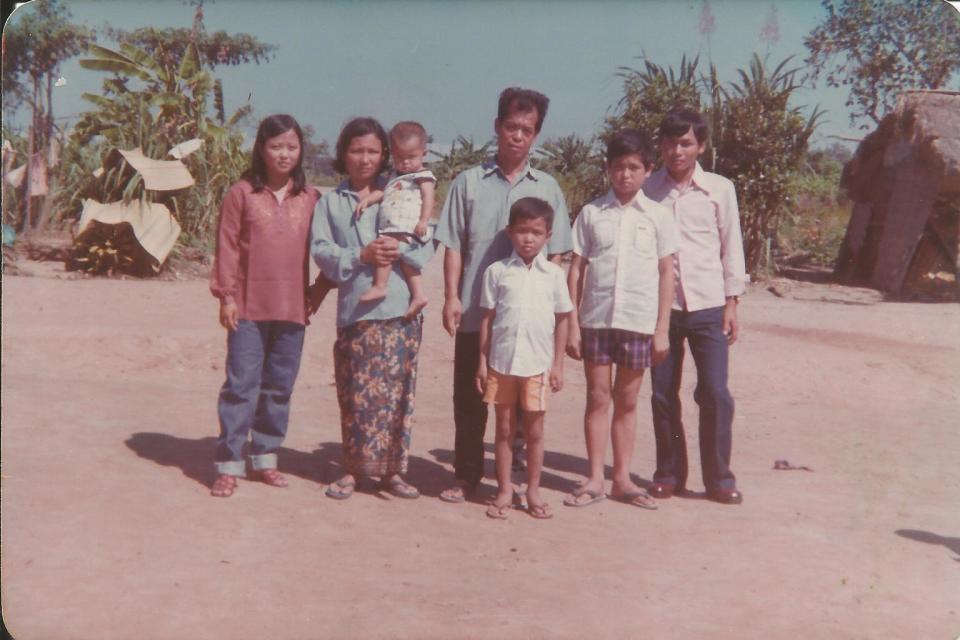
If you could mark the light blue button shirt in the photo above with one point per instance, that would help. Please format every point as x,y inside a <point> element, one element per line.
<point>336,239</point>
<point>474,219</point>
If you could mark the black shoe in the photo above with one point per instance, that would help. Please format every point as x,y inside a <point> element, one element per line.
<point>661,490</point>
<point>725,496</point>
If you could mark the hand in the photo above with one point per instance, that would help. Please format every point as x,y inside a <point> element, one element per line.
<point>362,204</point>
<point>452,312</point>
<point>661,348</point>
<point>228,315</point>
<point>731,326</point>
<point>556,379</point>
<point>381,252</point>
<point>316,293</point>
<point>574,344</point>
<point>481,378</point>
<point>421,229</point>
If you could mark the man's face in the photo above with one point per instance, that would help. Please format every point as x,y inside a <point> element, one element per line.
<point>515,135</point>
<point>680,153</point>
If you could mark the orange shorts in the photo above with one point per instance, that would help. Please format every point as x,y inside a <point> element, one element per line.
<point>529,392</point>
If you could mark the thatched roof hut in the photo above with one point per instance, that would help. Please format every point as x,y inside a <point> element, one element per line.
<point>904,232</point>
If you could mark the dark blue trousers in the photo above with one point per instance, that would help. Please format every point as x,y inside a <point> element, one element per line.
<point>263,359</point>
<point>703,331</point>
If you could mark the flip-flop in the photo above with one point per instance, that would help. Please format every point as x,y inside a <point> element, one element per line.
<point>498,512</point>
<point>341,490</point>
<point>463,491</point>
<point>540,511</point>
<point>595,496</point>
<point>270,477</point>
<point>397,487</point>
<point>636,499</point>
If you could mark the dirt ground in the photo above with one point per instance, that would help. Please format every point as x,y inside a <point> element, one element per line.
<point>109,420</point>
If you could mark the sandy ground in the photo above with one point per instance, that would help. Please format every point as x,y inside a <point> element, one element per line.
<point>109,420</point>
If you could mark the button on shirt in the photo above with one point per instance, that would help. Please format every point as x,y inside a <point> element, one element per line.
<point>622,244</point>
<point>474,219</point>
<point>525,300</point>
<point>337,236</point>
<point>709,265</point>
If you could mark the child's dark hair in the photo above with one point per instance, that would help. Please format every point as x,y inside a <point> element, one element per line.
<point>407,130</point>
<point>523,100</point>
<point>271,127</point>
<point>530,208</point>
<point>679,121</point>
<point>631,141</point>
<point>354,129</point>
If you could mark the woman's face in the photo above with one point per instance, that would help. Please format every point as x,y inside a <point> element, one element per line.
<point>363,158</point>
<point>281,153</point>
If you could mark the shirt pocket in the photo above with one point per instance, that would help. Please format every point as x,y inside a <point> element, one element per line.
<point>645,239</point>
<point>603,235</point>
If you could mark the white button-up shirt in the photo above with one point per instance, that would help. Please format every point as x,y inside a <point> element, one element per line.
<point>622,245</point>
<point>525,299</point>
<point>709,265</point>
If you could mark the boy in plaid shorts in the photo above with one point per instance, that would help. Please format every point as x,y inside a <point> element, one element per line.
<point>621,280</point>
<point>523,331</point>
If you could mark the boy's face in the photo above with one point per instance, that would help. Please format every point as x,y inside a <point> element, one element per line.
<point>528,237</point>
<point>680,153</point>
<point>408,155</point>
<point>515,135</point>
<point>627,175</point>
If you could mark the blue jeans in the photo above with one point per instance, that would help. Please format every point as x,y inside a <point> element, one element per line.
<point>704,331</point>
<point>263,359</point>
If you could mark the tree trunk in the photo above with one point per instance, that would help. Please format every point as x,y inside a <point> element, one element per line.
<point>44,216</point>
<point>27,221</point>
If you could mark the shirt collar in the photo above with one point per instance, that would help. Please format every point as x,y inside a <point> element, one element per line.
<point>344,187</point>
<point>610,201</point>
<point>540,262</point>
<point>490,167</point>
<point>700,179</point>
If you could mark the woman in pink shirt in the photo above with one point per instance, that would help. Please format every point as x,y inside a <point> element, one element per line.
<point>261,278</point>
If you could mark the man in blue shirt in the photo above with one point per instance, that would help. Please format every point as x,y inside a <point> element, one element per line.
<point>472,229</point>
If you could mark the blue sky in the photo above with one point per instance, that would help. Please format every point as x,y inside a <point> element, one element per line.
<point>444,62</point>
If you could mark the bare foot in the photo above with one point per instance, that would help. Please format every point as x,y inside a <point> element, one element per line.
<point>587,493</point>
<point>630,493</point>
<point>416,306</point>
<point>374,293</point>
<point>501,505</point>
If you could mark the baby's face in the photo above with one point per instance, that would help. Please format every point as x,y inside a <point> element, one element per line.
<point>408,155</point>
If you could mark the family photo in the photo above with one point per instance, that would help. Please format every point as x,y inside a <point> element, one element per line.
<point>532,319</point>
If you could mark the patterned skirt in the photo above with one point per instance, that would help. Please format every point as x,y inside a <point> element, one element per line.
<point>375,366</point>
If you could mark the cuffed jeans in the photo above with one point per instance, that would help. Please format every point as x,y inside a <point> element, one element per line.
<point>263,359</point>
<point>469,410</point>
<point>704,331</point>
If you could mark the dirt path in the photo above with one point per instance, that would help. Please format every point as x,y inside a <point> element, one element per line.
<point>108,531</point>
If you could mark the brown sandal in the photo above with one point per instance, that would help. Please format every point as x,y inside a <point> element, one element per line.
<point>223,486</point>
<point>272,477</point>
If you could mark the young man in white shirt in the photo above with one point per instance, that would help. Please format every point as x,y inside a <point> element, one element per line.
<point>621,279</point>
<point>523,331</point>
<point>710,278</point>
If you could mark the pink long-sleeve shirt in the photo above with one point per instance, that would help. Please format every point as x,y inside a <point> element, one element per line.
<point>262,253</point>
<point>709,263</point>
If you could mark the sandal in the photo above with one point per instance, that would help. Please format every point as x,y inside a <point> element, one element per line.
<point>593,496</point>
<point>341,490</point>
<point>640,499</point>
<point>498,511</point>
<point>223,486</point>
<point>459,491</point>
<point>396,486</point>
<point>540,511</point>
<point>271,477</point>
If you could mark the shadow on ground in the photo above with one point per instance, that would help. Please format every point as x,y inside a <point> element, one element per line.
<point>194,458</point>
<point>953,544</point>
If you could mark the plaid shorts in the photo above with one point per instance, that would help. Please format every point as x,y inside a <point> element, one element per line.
<point>626,348</point>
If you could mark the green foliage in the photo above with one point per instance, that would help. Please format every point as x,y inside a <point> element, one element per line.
<point>214,49</point>
<point>652,91</point>
<point>578,167</point>
<point>816,222</point>
<point>155,104</point>
<point>879,47</point>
